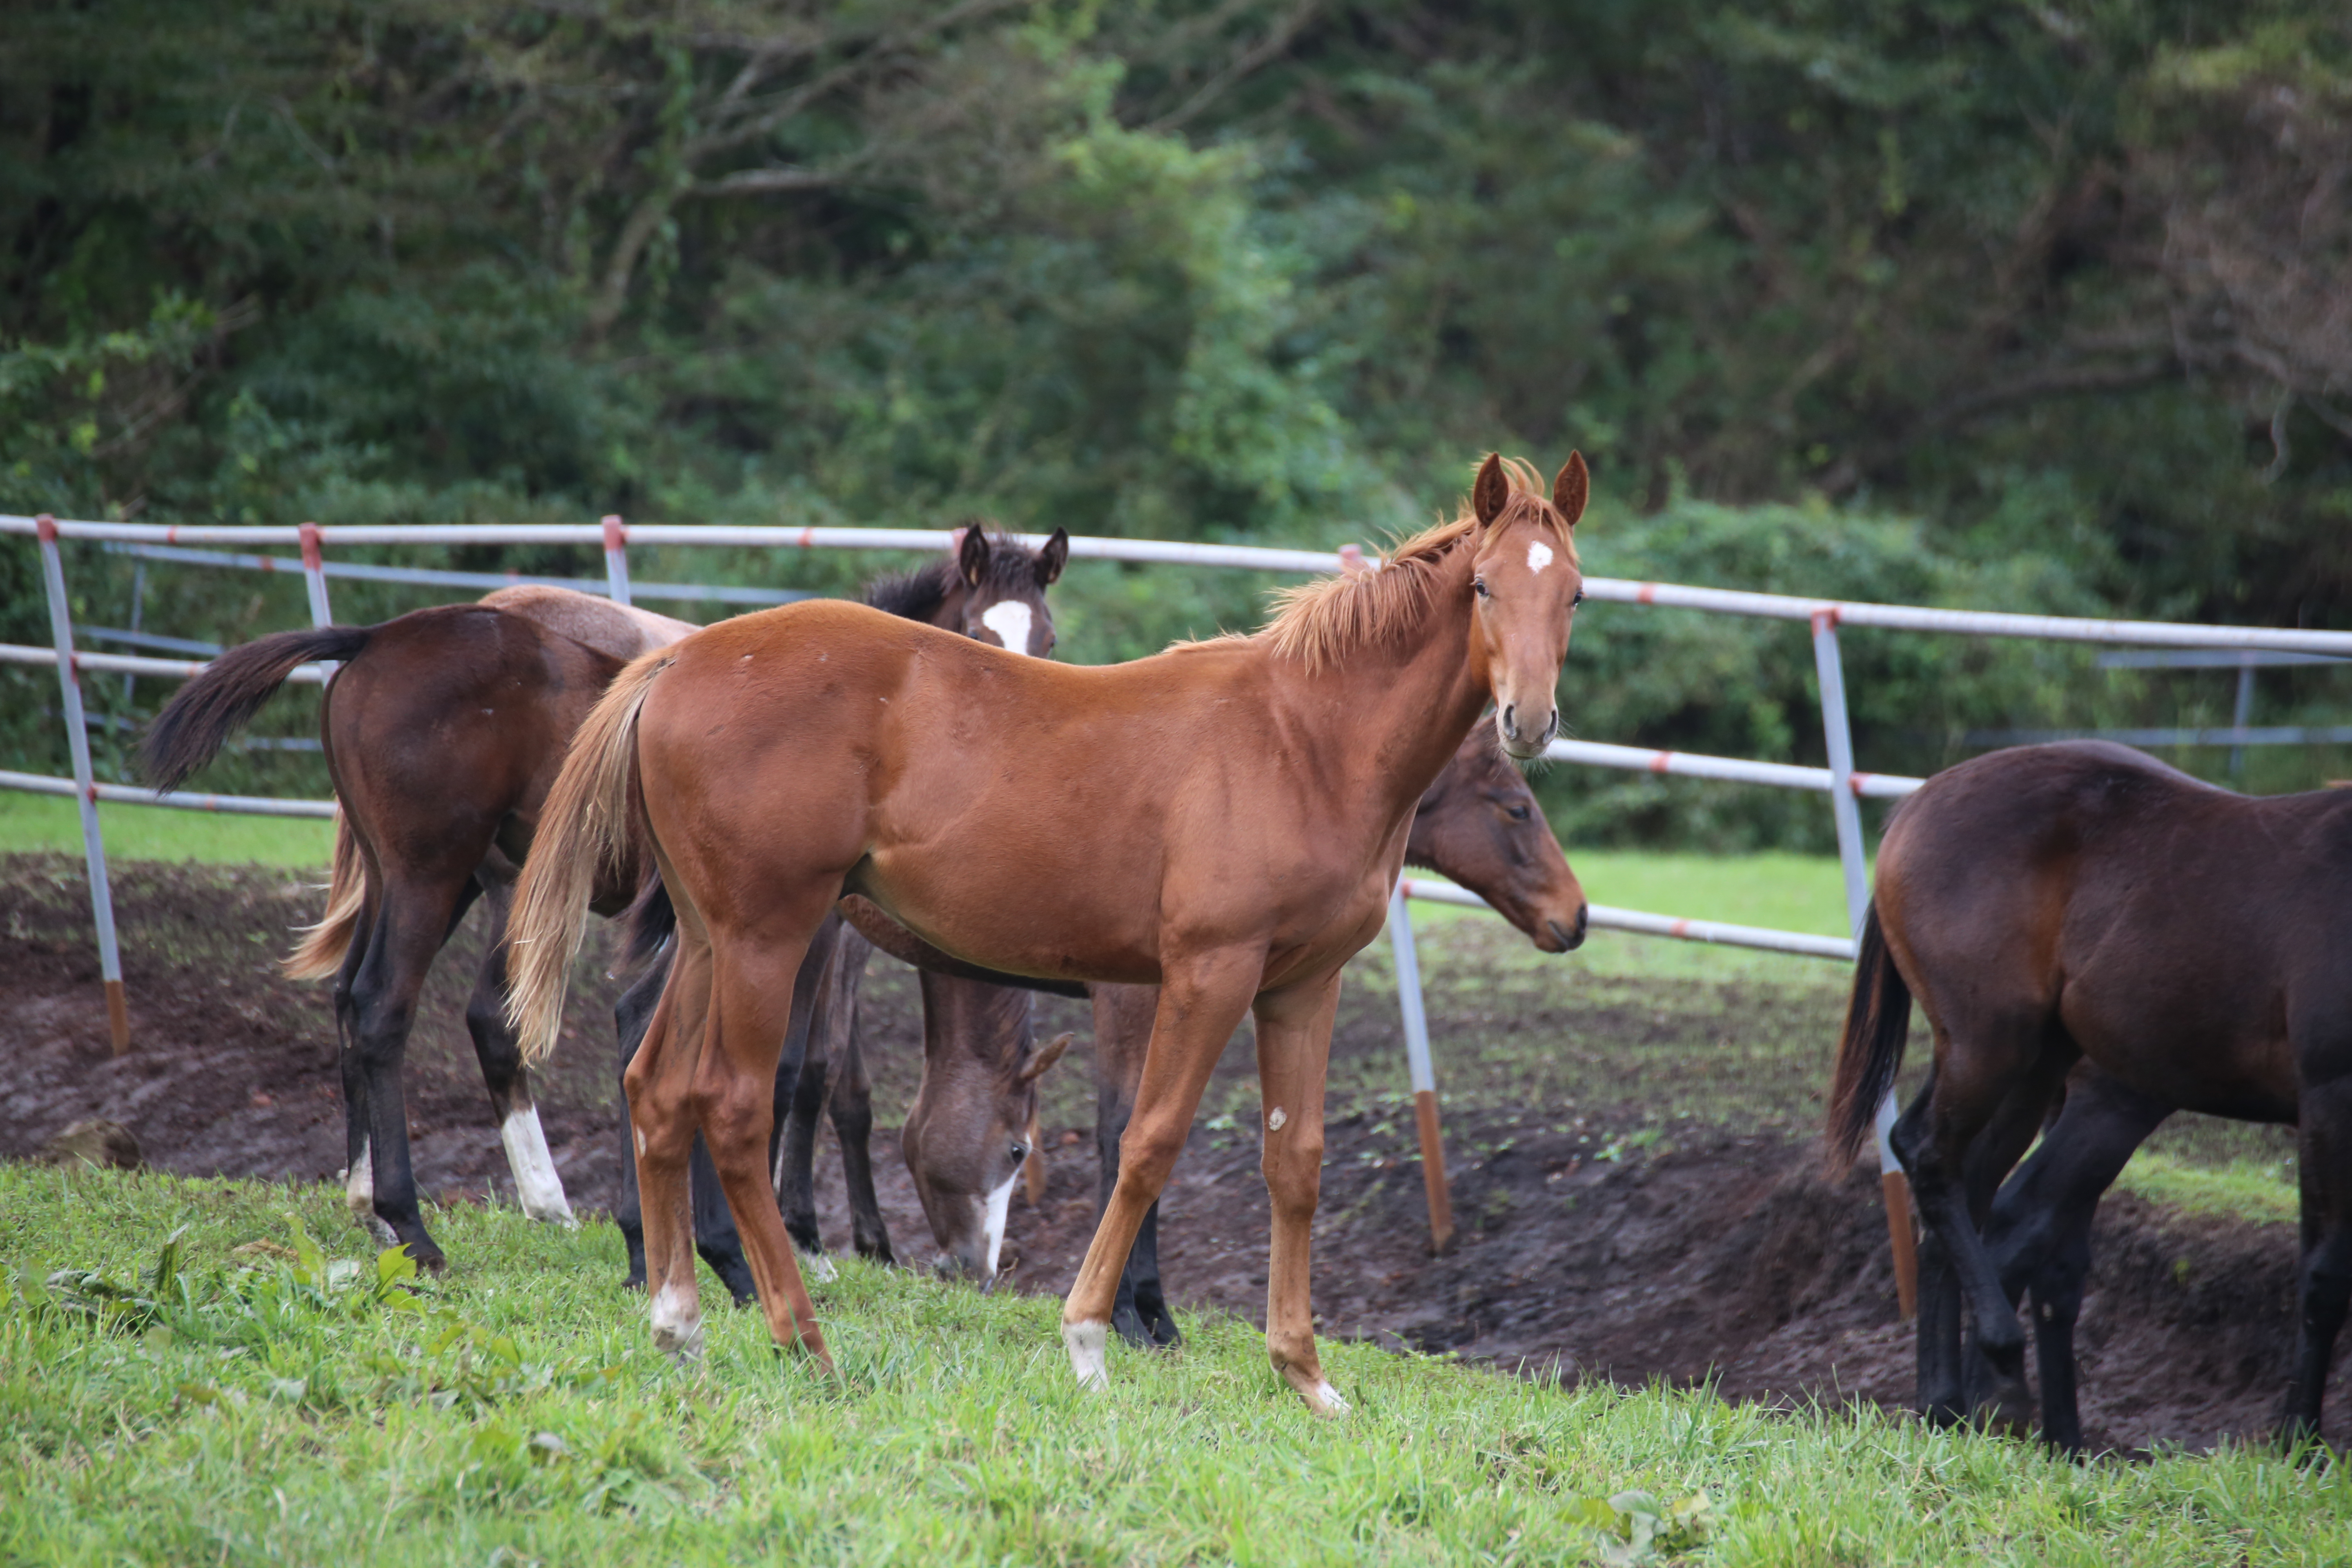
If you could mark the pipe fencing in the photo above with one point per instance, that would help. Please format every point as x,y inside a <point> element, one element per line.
<point>1845,785</point>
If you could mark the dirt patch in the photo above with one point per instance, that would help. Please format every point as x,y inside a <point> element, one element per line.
<point>1600,1241</point>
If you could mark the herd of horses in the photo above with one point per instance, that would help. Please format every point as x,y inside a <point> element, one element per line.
<point>2095,939</point>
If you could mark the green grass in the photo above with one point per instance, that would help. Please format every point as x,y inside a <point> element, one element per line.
<point>2259,1192</point>
<point>260,1411</point>
<point>32,822</point>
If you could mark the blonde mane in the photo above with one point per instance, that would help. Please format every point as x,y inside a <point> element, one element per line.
<point>1321,623</point>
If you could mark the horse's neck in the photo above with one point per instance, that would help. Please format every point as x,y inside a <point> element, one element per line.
<point>1404,707</point>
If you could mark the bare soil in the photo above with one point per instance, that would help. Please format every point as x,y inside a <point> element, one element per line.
<point>1595,1241</point>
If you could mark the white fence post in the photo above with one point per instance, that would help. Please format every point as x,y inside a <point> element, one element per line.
<point>101,897</point>
<point>617,559</point>
<point>1423,1074</point>
<point>1847,811</point>
<point>314,575</point>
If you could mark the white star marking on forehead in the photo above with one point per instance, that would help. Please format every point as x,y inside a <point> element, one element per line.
<point>1539,555</point>
<point>1010,622</point>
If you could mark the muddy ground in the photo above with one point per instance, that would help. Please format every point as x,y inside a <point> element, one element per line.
<point>1615,1220</point>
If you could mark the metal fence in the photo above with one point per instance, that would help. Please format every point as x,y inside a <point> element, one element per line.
<point>1841,781</point>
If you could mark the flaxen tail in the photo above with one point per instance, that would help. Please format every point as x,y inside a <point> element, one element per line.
<point>585,829</point>
<point>1877,1021</point>
<point>324,945</point>
<point>227,692</point>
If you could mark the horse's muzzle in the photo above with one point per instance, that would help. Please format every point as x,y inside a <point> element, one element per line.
<point>1569,941</point>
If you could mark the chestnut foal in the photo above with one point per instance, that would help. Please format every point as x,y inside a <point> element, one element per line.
<point>1224,820</point>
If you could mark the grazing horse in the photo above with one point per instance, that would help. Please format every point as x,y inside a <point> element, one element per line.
<point>443,730</point>
<point>1224,820</point>
<point>1478,824</point>
<point>2082,903</point>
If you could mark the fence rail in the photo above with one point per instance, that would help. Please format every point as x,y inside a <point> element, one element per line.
<point>1844,784</point>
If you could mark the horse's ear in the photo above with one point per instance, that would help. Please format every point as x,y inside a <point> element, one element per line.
<point>971,556</point>
<point>1571,490</point>
<point>1034,1069</point>
<point>1492,491</point>
<point>1052,558</point>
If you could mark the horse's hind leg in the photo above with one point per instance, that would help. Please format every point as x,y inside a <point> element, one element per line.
<point>732,1092</point>
<point>631,1016</point>
<point>2325,1156</point>
<point>2038,1236</point>
<point>1973,1075</point>
<point>1200,1002</point>
<point>1294,1049</point>
<point>537,1188</point>
<point>408,931</point>
<point>851,1105</point>
<point>661,1122</point>
<point>714,1223</point>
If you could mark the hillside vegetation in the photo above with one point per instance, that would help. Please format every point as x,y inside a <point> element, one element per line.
<point>1968,301</point>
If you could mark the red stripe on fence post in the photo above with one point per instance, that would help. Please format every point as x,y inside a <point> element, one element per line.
<point>617,559</point>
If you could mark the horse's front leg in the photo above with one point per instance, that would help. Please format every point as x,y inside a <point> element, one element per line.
<point>1202,999</point>
<point>1123,1016</point>
<point>2324,1153</point>
<point>1294,1048</point>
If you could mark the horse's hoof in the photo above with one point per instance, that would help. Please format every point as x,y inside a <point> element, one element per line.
<point>676,1325</point>
<point>1128,1325</point>
<point>1321,1398</point>
<point>816,1267</point>
<point>1089,1345</point>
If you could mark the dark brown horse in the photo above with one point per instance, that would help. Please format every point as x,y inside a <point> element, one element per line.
<point>1224,820</point>
<point>443,730</point>
<point>2190,948</point>
<point>968,1137</point>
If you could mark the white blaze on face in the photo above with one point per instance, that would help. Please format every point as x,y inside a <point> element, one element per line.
<point>997,1203</point>
<point>1539,555</point>
<point>537,1186</point>
<point>1010,621</point>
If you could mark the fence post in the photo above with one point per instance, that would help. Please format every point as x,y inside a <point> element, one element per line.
<point>101,897</point>
<point>314,575</point>
<point>1424,1077</point>
<point>1845,810</point>
<point>617,559</point>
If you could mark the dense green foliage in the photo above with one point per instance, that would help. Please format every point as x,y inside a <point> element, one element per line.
<point>2020,307</point>
<point>225,1396</point>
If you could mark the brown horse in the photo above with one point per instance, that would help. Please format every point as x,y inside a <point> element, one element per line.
<point>2083,903</point>
<point>1478,824</point>
<point>443,729</point>
<point>969,1134</point>
<point>1224,820</point>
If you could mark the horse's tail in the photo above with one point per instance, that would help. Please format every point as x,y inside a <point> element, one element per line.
<point>321,950</point>
<point>583,829</point>
<point>227,692</point>
<point>1877,1022</point>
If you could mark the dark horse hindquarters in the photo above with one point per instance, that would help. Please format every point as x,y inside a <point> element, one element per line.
<point>2082,909</point>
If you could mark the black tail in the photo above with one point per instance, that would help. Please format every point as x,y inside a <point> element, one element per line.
<point>222,699</point>
<point>649,923</point>
<point>1877,1023</point>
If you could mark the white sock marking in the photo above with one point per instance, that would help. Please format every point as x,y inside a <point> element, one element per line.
<point>677,1323</point>
<point>999,1203</point>
<point>537,1186</point>
<point>1539,556</point>
<point>1087,1343</point>
<point>816,1266</point>
<point>1325,1401</point>
<point>359,1196</point>
<point>1010,622</point>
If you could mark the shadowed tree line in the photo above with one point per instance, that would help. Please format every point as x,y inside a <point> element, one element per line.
<point>2016,306</point>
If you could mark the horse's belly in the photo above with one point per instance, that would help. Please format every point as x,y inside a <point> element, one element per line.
<point>1056,927</point>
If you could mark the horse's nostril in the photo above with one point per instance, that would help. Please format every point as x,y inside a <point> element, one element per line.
<point>1510,721</point>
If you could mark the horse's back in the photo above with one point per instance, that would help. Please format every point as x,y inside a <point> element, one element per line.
<point>622,631</point>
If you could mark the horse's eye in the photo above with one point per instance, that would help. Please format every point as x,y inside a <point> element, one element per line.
<point>1019,1151</point>
<point>1577,600</point>
<point>1519,813</point>
<point>1479,585</point>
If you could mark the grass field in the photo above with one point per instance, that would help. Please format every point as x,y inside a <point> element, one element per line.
<point>259,1407</point>
<point>30,822</point>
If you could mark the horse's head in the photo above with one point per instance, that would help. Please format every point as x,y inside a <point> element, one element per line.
<point>969,1130</point>
<point>999,593</point>
<point>1480,825</point>
<point>1528,585</point>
